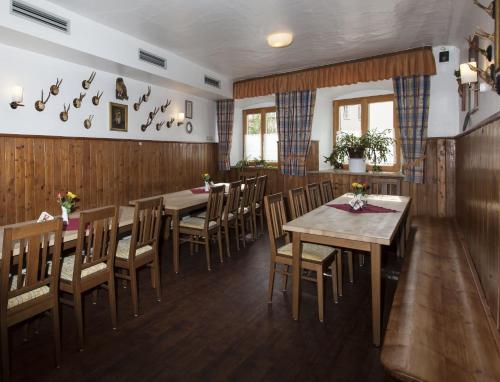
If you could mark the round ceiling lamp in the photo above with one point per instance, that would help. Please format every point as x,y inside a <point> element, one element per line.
<point>280,40</point>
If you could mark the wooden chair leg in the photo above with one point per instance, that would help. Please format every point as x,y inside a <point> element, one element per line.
<point>94,296</point>
<point>207,253</point>
<point>219,244</point>
<point>134,292</point>
<point>254,225</point>
<point>226,234</point>
<point>321,293</point>
<point>237,232</point>
<point>350,266</point>
<point>112,299</point>
<point>56,327</point>
<point>261,217</point>
<point>4,339</point>
<point>339,273</point>
<point>156,275</point>
<point>272,272</point>
<point>78,308</point>
<point>335,286</point>
<point>284,278</point>
<point>153,277</point>
<point>243,234</point>
<point>361,259</point>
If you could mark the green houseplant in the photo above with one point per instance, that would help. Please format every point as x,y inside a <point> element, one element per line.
<point>373,145</point>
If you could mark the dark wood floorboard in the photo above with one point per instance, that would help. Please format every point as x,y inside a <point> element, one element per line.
<point>212,327</point>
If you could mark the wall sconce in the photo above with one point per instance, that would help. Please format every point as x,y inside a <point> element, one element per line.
<point>468,75</point>
<point>180,119</point>
<point>17,97</point>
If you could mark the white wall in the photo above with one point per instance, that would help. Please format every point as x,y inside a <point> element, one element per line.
<point>35,72</point>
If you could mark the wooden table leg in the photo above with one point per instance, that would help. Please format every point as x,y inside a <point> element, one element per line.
<point>296,254</point>
<point>175,240</point>
<point>375,258</point>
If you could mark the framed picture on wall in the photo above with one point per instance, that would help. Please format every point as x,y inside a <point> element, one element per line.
<point>118,117</point>
<point>189,109</point>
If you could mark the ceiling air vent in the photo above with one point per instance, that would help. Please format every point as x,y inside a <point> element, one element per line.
<point>210,81</point>
<point>152,59</point>
<point>22,9</point>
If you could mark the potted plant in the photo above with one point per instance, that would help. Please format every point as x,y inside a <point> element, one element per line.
<point>372,145</point>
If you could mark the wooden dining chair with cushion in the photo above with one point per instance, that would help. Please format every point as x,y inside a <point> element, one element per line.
<point>245,210</point>
<point>316,258</point>
<point>326,191</point>
<point>258,206</point>
<point>314,196</point>
<point>200,230</point>
<point>383,186</point>
<point>27,288</point>
<point>297,202</point>
<point>92,265</point>
<point>141,248</point>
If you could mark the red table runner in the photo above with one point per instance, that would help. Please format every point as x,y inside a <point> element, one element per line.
<point>199,190</point>
<point>73,225</point>
<point>367,209</point>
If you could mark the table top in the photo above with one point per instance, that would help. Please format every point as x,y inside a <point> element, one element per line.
<point>377,228</point>
<point>126,218</point>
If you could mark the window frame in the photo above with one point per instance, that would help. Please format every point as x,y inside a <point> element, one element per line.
<point>262,111</point>
<point>365,102</point>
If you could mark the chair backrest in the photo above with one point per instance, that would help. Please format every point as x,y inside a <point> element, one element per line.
<point>385,187</point>
<point>260,190</point>
<point>146,226</point>
<point>327,191</point>
<point>246,174</point>
<point>30,245</point>
<point>297,202</point>
<point>276,218</point>
<point>215,204</point>
<point>314,196</point>
<point>248,193</point>
<point>233,199</point>
<point>96,241</point>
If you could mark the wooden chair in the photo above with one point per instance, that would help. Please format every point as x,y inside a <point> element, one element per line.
<point>245,174</point>
<point>92,265</point>
<point>326,191</point>
<point>317,258</point>
<point>206,228</point>
<point>27,288</point>
<point>384,186</point>
<point>245,210</point>
<point>141,249</point>
<point>314,196</point>
<point>297,202</point>
<point>258,206</point>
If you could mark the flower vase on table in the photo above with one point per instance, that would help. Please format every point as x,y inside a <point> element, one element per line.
<point>67,203</point>
<point>208,181</point>
<point>360,199</point>
<point>64,214</point>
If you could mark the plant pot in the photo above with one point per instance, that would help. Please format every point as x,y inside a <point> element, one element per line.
<point>357,165</point>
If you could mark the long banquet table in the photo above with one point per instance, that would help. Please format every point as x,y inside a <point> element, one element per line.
<point>342,229</point>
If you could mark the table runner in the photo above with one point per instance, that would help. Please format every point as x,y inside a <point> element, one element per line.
<point>199,190</point>
<point>367,209</point>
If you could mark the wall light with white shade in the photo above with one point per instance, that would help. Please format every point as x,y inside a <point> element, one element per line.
<point>180,119</point>
<point>16,97</point>
<point>468,75</point>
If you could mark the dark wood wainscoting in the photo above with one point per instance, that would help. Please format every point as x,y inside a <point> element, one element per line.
<point>101,171</point>
<point>478,206</point>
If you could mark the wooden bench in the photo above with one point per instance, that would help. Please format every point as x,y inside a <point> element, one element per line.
<point>439,328</point>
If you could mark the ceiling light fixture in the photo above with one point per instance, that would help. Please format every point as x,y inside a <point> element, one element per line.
<point>280,40</point>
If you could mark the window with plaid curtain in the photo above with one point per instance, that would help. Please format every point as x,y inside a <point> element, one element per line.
<point>294,112</point>
<point>225,117</point>
<point>413,95</point>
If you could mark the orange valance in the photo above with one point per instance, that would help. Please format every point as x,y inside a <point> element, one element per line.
<point>402,64</point>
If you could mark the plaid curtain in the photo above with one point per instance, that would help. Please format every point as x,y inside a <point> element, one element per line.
<point>294,111</point>
<point>225,117</point>
<point>413,94</point>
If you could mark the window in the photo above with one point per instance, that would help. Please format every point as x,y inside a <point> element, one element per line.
<point>359,115</point>
<point>260,132</point>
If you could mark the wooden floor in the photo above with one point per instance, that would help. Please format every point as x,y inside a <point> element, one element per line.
<point>212,327</point>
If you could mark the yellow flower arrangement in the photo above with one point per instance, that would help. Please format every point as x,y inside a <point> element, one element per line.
<point>360,188</point>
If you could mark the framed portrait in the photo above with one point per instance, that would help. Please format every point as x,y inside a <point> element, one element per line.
<point>189,109</point>
<point>118,117</point>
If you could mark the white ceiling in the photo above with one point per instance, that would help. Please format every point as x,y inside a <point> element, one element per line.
<point>229,36</point>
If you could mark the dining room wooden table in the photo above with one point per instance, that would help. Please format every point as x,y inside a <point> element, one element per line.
<point>125,221</point>
<point>366,232</point>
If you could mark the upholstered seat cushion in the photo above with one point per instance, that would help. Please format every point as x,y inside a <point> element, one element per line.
<point>204,213</point>
<point>123,248</point>
<point>68,266</point>
<point>312,252</point>
<point>25,297</point>
<point>196,223</point>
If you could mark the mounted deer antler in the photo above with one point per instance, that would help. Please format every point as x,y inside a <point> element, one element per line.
<point>88,122</point>
<point>54,89</point>
<point>488,52</point>
<point>490,9</point>
<point>151,117</point>
<point>485,76</point>
<point>160,125</point>
<point>167,104</point>
<point>64,114</point>
<point>145,97</point>
<point>483,34</point>
<point>97,98</point>
<point>40,104</point>
<point>77,102</point>
<point>137,105</point>
<point>169,123</point>
<point>86,83</point>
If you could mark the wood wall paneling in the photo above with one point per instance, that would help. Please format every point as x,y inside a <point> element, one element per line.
<point>101,171</point>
